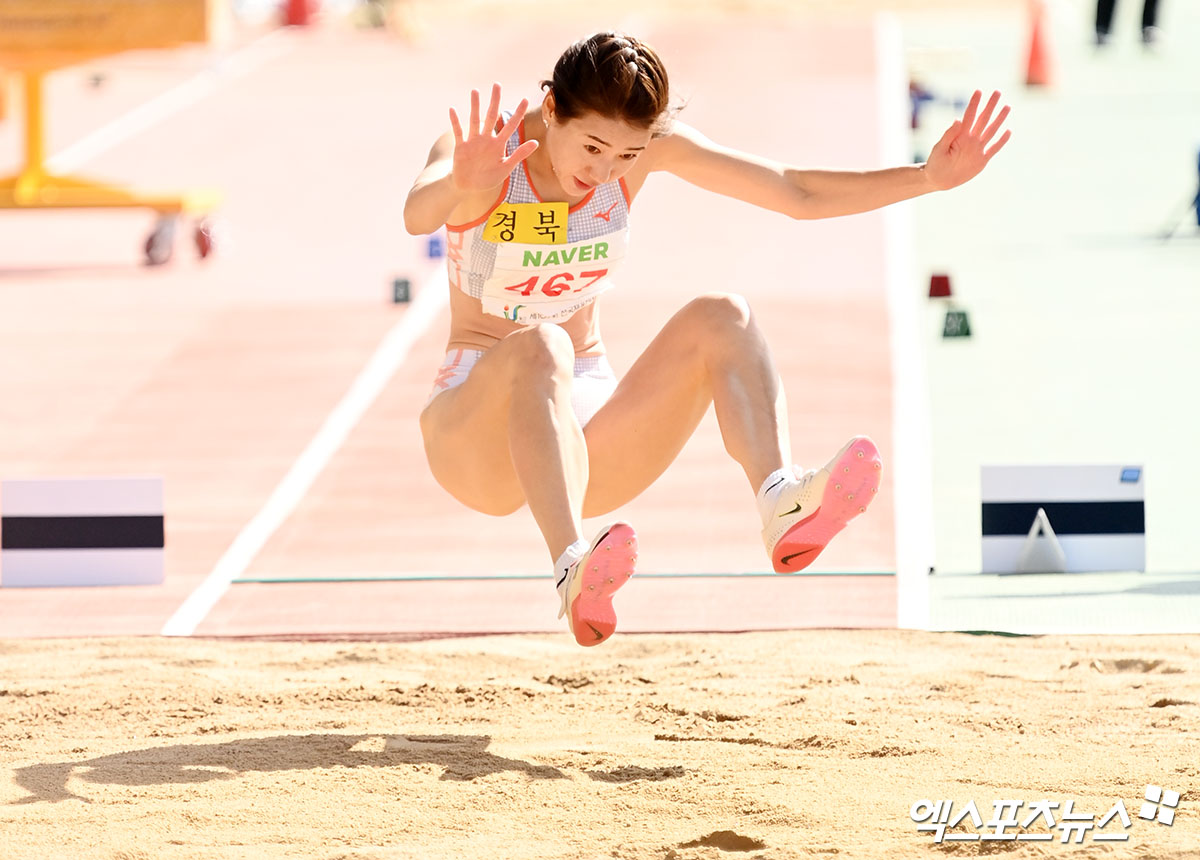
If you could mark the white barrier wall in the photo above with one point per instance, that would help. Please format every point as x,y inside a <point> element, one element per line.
<point>81,531</point>
<point>1097,514</point>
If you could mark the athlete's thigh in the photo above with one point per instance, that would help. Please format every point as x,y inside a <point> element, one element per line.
<point>642,428</point>
<point>466,437</point>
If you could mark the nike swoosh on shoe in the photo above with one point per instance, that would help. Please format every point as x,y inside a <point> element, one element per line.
<point>776,484</point>
<point>597,576</point>
<point>854,471</point>
<point>787,559</point>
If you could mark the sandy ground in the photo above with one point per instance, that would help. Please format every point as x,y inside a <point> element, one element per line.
<point>772,745</point>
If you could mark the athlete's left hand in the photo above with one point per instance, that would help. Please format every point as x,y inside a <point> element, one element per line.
<point>963,150</point>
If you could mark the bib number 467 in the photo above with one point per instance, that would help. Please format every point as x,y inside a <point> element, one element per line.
<point>557,284</point>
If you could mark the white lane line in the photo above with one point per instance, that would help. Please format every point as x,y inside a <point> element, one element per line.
<point>391,353</point>
<point>912,469</point>
<point>241,62</point>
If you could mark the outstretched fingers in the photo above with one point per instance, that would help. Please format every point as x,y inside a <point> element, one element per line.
<point>991,130</point>
<point>521,153</point>
<point>526,149</point>
<point>977,128</point>
<point>988,153</point>
<point>968,117</point>
<point>493,111</point>
<point>490,119</point>
<point>474,129</point>
<point>514,120</point>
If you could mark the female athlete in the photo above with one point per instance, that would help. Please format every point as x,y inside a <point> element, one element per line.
<point>527,410</point>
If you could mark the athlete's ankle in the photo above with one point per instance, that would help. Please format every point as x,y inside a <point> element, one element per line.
<point>768,494</point>
<point>569,556</point>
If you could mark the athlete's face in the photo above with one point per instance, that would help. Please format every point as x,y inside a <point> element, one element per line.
<point>591,149</point>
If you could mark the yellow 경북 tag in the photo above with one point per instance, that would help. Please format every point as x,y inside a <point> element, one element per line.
<point>528,223</point>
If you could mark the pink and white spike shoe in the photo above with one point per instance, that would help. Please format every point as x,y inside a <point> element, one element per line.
<point>812,510</point>
<point>587,586</point>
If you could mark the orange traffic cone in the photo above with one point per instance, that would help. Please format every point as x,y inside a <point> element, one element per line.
<point>297,13</point>
<point>1037,72</point>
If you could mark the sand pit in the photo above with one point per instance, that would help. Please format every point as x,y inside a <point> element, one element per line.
<point>772,745</point>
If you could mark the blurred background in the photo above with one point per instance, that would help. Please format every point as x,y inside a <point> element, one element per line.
<point>206,335</point>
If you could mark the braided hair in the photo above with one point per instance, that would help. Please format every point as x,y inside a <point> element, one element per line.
<point>614,75</point>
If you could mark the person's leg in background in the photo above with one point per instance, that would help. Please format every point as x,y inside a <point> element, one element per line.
<point>1104,16</point>
<point>1150,31</point>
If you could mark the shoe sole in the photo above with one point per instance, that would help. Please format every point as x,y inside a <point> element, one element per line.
<point>607,566</point>
<point>853,482</point>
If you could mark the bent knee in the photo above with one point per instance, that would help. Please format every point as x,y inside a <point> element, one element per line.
<point>719,312</point>
<point>543,349</point>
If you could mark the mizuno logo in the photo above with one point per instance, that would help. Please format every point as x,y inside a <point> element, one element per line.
<point>607,216</point>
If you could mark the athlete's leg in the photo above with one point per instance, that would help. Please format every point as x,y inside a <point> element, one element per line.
<point>1149,14</point>
<point>1104,17</point>
<point>507,435</point>
<point>711,351</point>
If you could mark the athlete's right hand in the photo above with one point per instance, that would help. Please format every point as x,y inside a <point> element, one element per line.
<point>479,160</point>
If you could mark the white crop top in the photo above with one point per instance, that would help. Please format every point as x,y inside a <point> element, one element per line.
<point>532,262</point>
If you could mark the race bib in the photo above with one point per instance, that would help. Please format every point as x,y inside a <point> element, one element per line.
<point>528,223</point>
<point>536,283</point>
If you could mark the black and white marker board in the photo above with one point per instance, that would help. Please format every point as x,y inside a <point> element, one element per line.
<point>1097,514</point>
<point>81,531</point>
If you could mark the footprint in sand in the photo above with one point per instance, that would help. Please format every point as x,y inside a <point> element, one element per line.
<point>725,840</point>
<point>1131,665</point>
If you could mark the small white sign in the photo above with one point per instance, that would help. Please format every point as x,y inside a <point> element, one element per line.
<point>1092,515</point>
<point>81,531</point>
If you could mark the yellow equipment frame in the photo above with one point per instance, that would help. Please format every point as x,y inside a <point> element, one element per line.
<point>34,187</point>
<point>41,36</point>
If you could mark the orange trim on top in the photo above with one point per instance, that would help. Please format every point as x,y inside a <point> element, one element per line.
<point>458,228</point>
<point>625,191</point>
<point>533,189</point>
<point>525,163</point>
<point>582,202</point>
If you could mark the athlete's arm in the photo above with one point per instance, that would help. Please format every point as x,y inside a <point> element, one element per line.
<point>462,167</point>
<point>433,195</point>
<point>960,155</point>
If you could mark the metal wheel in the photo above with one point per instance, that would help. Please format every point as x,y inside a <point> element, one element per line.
<point>160,244</point>
<point>205,238</point>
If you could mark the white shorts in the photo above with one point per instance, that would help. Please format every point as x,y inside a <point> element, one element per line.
<point>594,380</point>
